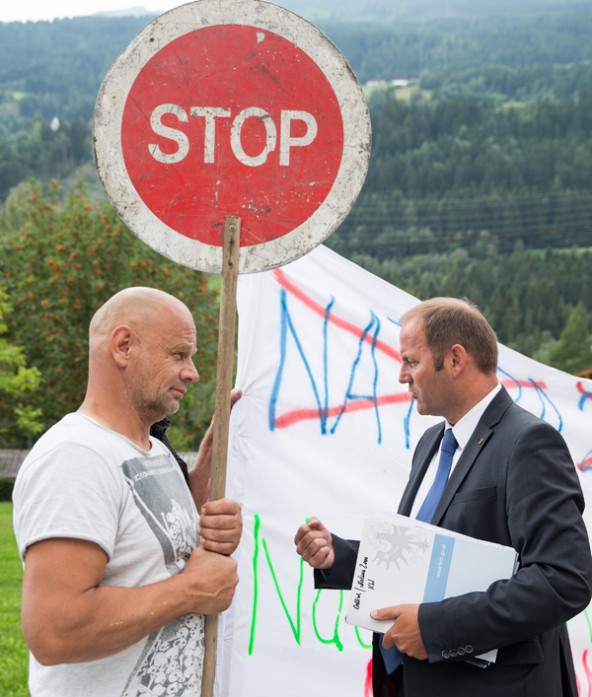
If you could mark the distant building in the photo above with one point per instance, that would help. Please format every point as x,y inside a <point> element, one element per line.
<point>395,82</point>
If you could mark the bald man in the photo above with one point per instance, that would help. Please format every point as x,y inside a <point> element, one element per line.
<point>119,566</point>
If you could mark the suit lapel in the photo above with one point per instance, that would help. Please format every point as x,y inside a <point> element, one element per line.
<point>423,456</point>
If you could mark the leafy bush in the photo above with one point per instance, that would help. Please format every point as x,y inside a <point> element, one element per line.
<point>6,487</point>
<point>61,263</point>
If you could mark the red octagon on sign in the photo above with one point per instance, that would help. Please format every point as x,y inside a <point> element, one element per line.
<point>231,108</point>
<point>232,119</point>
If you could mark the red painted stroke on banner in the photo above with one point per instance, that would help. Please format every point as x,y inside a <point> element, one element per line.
<point>368,692</point>
<point>339,322</point>
<point>293,417</point>
<point>587,673</point>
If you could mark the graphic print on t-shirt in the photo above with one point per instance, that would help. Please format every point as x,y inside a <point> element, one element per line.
<point>165,502</point>
<point>172,659</point>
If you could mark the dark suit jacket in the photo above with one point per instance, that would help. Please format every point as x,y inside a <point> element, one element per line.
<point>514,484</point>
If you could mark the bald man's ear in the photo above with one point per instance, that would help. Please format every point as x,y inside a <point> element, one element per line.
<point>121,340</point>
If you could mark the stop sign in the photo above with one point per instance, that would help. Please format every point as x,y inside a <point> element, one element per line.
<point>232,107</point>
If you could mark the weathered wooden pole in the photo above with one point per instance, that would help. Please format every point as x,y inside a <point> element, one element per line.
<point>226,333</point>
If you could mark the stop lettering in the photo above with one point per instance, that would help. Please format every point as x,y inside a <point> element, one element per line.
<point>232,120</point>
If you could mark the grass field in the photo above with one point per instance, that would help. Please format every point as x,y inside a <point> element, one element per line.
<point>13,651</point>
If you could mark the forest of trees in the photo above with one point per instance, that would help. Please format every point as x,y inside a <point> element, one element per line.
<point>50,74</point>
<point>479,185</point>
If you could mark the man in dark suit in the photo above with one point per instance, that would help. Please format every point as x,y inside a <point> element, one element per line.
<point>512,481</point>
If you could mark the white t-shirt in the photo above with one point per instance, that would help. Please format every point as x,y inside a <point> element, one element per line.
<point>84,481</point>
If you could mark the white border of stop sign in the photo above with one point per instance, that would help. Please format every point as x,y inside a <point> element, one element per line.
<point>108,126</point>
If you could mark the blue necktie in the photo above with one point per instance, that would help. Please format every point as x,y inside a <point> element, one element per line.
<point>428,507</point>
<point>393,657</point>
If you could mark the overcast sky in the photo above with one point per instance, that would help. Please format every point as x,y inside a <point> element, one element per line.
<point>23,10</point>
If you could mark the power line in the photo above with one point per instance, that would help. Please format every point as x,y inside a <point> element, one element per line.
<point>568,213</point>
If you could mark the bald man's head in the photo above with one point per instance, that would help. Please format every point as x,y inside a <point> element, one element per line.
<point>138,307</point>
<point>142,343</point>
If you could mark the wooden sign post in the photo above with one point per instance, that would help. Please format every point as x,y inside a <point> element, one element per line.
<point>226,331</point>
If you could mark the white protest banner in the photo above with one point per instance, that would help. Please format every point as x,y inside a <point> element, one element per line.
<point>324,428</point>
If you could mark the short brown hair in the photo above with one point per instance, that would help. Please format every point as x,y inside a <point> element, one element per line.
<point>448,321</point>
